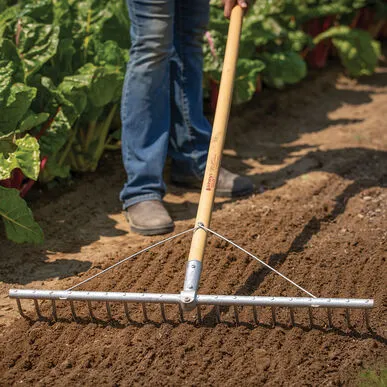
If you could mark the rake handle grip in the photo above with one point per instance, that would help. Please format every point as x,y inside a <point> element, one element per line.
<point>218,136</point>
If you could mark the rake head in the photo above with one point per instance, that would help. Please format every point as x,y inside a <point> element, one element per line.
<point>217,301</point>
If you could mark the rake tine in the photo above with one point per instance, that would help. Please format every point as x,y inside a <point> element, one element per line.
<point>255,314</point>
<point>311,324</point>
<point>162,308</point>
<point>348,317</point>
<point>144,312</point>
<point>108,311</point>
<point>127,311</point>
<point>37,308</point>
<point>236,313</point>
<point>90,307</point>
<point>291,313</point>
<point>367,319</point>
<point>199,312</point>
<point>273,316</point>
<point>217,309</point>
<point>73,310</point>
<point>53,305</point>
<point>181,312</point>
<point>329,312</point>
<point>19,307</point>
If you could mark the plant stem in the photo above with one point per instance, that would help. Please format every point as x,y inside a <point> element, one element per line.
<point>69,144</point>
<point>102,136</point>
<point>89,135</point>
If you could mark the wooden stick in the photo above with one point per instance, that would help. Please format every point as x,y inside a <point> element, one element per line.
<point>218,136</point>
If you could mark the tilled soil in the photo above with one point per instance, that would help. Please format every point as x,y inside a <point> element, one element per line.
<point>318,156</point>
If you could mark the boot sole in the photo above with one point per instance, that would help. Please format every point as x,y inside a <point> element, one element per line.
<point>152,231</point>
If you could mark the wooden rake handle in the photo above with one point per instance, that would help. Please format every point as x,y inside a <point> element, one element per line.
<point>218,136</point>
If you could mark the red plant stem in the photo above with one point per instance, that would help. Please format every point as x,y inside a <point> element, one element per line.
<point>6,183</point>
<point>27,186</point>
<point>48,124</point>
<point>17,178</point>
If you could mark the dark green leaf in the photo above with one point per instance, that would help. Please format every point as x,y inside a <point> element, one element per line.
<point>38,43</point>
<point>32,120</point>
<point>15,106</point>
<point>19,222</point>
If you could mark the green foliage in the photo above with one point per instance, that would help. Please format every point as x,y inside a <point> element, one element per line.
<point>358,52</point>
<point>282,68</point>
<point>25,156</point>
<point>19,223</point>
<point>62,65</point>
<point>274,39</point>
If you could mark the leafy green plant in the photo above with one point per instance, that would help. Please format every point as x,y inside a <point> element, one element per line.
<point>358,52</point>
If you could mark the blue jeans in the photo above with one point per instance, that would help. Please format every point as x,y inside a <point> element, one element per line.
<point>162,101</point>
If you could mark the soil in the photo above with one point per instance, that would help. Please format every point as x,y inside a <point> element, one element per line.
<point>317,154</point>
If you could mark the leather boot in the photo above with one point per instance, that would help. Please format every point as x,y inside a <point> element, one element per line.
<point>149,218</point>
<point>229,184</point>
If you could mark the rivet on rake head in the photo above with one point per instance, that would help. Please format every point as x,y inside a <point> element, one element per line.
<point>348,317</point>
<point>181,313</point>
<point>37,308</point>
<point>162,308</point>
<point>144,312</point>
<point>199,313</point>
<point>53,305</point>
<point>127,311</point>
<point>236,313</point>
<point>255,314</point>
<point>329,312</point>
<point>291,313</point>
<point>217,310</point>
<point>19,307</point>
<point>310,313</point>
<point>108,311</point>
<point>90,307</point>
<point>273,317</point>
<point>73,310</point>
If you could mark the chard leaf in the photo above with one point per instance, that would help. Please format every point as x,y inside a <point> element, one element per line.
<point>25,157</point>
<point>7,146</point>
<point>15,106</point>
<point>31,120</point>
<point>56,135</point>
<point>358,52</point>
<point>283,68</point>
<point>38,43</point>
<point>246,79</point>
<point>11,67</point>
<point>7,19</point>
<point>19,222</point>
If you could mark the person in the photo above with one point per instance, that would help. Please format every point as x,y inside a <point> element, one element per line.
<point>162,109</point>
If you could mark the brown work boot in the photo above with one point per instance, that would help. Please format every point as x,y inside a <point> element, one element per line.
<point>149,218</point>
<point>229,184</point>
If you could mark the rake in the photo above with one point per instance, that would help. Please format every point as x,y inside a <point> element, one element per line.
<point>189,299</point>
